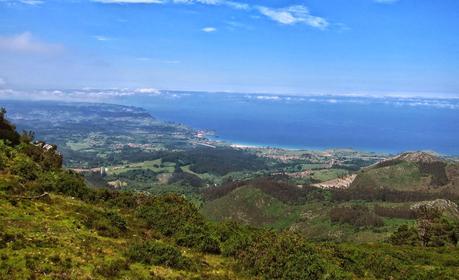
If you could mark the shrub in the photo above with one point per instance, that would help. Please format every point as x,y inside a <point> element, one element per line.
<point>370,192</point>
<point>437,170</point>
<point>436,232</point>
<point>11,185</point>
<point>199,238</point>
<point>64,182</point>
<point>169,214</point>
<point>405,235</point>
<point>112,268</point>
<point>233,237</point>
<point>366,262</point>
<point>158,253</point>
<point>395,212</point>
<point>48,160</point>
<point>282,256</point>
<point>106,223</point>
<point>8,131</point>
<point>186,179</point>
<point>24,167</point>
<point>356,215</point>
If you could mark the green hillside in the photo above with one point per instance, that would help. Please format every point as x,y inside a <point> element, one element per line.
<point>378,202</point>
<point>251,206</point>
<point>417,171</point>
<point>52,226</point>
<point>313,218</point>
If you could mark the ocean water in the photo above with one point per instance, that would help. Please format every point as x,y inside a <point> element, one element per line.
<point>388,124</point>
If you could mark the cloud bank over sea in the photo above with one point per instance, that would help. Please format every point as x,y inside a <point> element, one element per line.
<point>114,94</point>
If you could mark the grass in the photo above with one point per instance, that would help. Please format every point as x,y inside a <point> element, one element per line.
<point>403,176</point>
<point>251,206</point>
<point>51,239</point>
<point>153,165</point>
<point>78,146</point>
<point>204,176</point>
<point>328,174</point>
<point>254,207</point>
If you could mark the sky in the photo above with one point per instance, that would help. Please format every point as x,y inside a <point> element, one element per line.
<point>378,47</point>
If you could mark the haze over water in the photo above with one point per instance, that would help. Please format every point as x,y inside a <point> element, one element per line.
<point>386,124</point>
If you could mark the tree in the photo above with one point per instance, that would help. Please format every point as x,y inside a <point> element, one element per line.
<point>7,130</point>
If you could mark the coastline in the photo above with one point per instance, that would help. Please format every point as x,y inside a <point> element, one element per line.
<point>251,145</point>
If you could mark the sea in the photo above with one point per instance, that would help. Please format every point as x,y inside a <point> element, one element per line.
<point>366,123</point>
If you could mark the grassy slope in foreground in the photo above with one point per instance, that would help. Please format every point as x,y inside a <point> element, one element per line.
<point>53,238</point>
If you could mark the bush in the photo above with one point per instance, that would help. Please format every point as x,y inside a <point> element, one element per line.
<point>282,256</point>
<point>8,131</point>
<point>24,167</point>
<point>11,185</point>
<point>356,215</point>
<point>395,212</point>
<point>112,268</point>
<point>174,216</point>
<point>106,223</point>
<point>48,160</point>
<point>199,238</point>
<point>370,192</point>
<point>186,179</point>
<point>367,263</point>
<point>436,232</point>
<point>437,170</point>
<point>233,237</point>
<point>64,182</point>
<point>158,253</point>
<point>405,235</point>
<point>169,214</point>
<point>219,161</point>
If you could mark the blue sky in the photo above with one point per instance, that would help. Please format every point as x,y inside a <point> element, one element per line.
<point>272,46</point>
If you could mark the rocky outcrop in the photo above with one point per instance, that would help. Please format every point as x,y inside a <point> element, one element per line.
<point>441,206</point>
<point>418,157</point>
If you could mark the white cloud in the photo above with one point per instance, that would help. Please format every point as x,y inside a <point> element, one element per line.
<point>148,90</point>
<point>288,16</point>
<point>209,29</point>
<point>102,38</point>
<point>268,97</point>
<point>293,15</point>
<point>86,94</point>
<point>26,43</point>
<point>2,82</point>
<point>237,5</point>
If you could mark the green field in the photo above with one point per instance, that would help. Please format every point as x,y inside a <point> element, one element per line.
<point>153,165</point>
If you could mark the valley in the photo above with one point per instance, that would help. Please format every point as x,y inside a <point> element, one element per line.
<point>127,181</point>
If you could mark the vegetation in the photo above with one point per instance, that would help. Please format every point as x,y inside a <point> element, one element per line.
<point>219,161</point>
<point>356,215</point>
<point>53,226</point>
<point>432,229</point>
<point>157,253</point>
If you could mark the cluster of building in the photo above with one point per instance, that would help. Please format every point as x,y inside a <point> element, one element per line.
<point>45,146</point>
